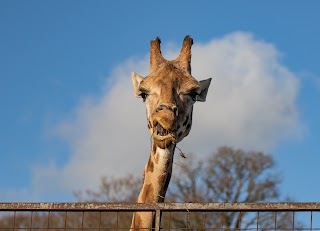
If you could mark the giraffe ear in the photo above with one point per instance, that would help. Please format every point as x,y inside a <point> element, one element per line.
<point>204,84</point>
<point>136,79</point>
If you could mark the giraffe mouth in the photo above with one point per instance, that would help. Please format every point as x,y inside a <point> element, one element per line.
<point>163,134</point>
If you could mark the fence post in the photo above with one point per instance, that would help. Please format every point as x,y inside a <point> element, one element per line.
<point>158,220</point>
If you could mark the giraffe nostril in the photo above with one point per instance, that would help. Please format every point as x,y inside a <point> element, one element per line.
<point>161,107</point>
<point>173,108</point>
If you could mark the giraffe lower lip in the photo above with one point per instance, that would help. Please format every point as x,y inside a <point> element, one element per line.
<point>166,137</point>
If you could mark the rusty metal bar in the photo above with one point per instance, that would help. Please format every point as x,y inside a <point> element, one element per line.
<point>31,220</point>
<point>160,206</point>
<point>257,223</point>
<point>311,221</point>
<point>158,220</point>
<point>275,221</point>
<point>14,220</point>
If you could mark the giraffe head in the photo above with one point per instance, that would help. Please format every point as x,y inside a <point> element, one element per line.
<point>169,92</point>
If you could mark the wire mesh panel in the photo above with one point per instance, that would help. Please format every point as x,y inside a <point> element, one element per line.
<point>239,221</point>
<point>174,216</point>
<point>88,220</point>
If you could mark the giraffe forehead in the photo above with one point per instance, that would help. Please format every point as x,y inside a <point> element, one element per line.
<point>168,79</point>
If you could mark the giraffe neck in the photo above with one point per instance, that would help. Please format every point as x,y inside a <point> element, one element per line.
<point>157,175</point>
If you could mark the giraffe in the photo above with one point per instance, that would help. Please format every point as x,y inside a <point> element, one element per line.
<point>169,92</point>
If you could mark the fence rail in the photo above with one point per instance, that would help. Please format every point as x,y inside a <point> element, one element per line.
<point>314,206</point>
<point>175,216</point>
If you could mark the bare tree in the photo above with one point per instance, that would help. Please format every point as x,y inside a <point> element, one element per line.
<point>122,189</point>
<point>238,176</point>
<point>228,176</point>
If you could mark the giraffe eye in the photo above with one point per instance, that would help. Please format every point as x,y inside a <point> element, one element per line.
<point>193,95</point>
<point>143,96</point>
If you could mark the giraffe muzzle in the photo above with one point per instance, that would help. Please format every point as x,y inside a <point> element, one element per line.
<point>163,128</point>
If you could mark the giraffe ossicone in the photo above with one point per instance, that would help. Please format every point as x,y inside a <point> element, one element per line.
<point>169,92</point>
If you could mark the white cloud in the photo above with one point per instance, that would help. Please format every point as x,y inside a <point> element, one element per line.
<point>252,100</point>
<point>251,104</point>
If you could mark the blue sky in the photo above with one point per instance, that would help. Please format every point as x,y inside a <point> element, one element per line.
<point>65,70</point>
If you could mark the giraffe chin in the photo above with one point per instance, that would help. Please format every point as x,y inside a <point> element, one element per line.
<point>164,141</point>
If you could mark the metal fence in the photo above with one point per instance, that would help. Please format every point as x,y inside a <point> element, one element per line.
<point>174,216</point>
